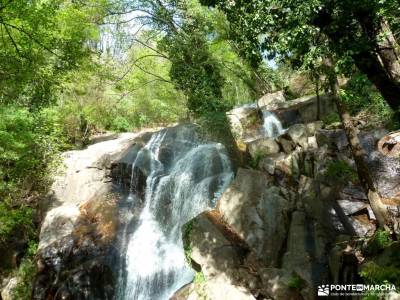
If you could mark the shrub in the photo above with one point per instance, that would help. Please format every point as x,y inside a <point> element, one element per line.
<point>296,282</point>
<point>26,274</point>
<point>341,172</point>
<point>29,144</point>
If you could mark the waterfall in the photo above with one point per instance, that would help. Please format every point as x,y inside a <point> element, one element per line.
<point>184,178</point>
<point>272,126</point>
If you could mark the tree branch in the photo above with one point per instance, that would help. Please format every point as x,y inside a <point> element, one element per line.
<point>134,64</point>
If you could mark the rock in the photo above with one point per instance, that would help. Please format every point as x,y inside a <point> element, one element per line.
<point>262,147</point>
<point>289,164</point>
<point>9,285</point>
<point>306,246</point>
<point>343,263</point>
<point>277,283</point>
<point>351,207</point>
<point>312,143</point>
<point>219,289</point>
<point>353,192</point>
<point>304,109</point>
<point>313,127</point>
<point>271,101</point>
<point>258,213</point>
<point>75,247</point>
<point>362,226</point>
<point>335,139</point>
<point>103,137</point>
<point>287,145</point>
<point>298,134</point>
<point>220,263</point>
<point>269,162</point>
<point>389,145</point>
<point>245,122</point>
<point>59,223</point>
<point>385,171</point>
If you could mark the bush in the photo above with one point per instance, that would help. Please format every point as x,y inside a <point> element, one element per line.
<point>29,144</point>
<point>26,274</point>
<point>360,96</point>
<point>340,172</point>
<point>120,124</point>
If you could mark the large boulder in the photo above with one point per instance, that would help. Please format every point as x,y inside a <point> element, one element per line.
<point>262,147</point>
<point>79,229</point>
<point>245,122</point>
<point>298,133</point>
<point>220,263</point>
<point>271,101</point>
<point>304,109</point>
<point>257,212</point>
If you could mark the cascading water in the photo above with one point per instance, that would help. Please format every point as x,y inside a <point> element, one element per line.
<point>184,178</point>
<point>272,126</point>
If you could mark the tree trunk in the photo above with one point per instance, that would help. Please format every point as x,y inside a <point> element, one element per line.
<point>387,52</point>
<point>359,155</point>
<point>370,65</point>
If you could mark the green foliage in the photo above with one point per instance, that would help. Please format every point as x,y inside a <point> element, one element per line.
<point>331,118</point>
<point>254,162</point>
<point>12,219</point>
<point>309,33</point>
<point>26,273</point>
<point>194,70</point>
<point>199,278</point>
<point>40,41</point>
<point>341,172</point>
<point>375,274</point>
<point>187,231</point>
<point>380,240</point>
<point>28,143</point>
<point>296,282</point>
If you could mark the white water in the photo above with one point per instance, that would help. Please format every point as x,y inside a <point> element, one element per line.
<point>176,192</point>
<point>272,127</point>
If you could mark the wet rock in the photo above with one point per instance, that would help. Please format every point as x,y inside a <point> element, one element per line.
<point>385,172</point>
<point>343,263</point>
<point>263,146</point>
<point>79,265</point>
<point>75,247</point>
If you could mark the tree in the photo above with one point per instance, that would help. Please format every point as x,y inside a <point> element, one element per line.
<point>39,42</point>
<point>305,31</point>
